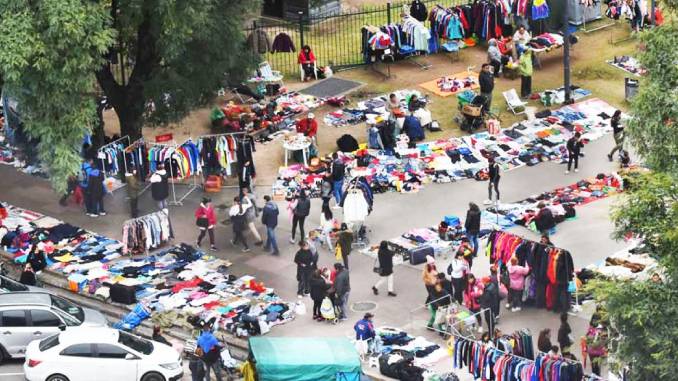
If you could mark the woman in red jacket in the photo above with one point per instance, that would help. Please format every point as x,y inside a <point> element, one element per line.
<point>205,219</point>
<point>474,289</point>
<point>307,61</point>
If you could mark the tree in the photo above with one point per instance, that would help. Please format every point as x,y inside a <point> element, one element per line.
<point>643,313</point>
<point>55,52</point>
<point>50,50</point>
<point>178,52</point>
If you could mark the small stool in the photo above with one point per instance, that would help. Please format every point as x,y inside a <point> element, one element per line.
<point>510,73</point>
<point>213,184</point>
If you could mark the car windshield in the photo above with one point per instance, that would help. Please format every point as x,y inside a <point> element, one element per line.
<point>68,307</point>
<point>138,344</point>
<point>49,342</point>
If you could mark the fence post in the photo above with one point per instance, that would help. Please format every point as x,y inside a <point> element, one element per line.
<point>301,27</point>
<point>388,12</point>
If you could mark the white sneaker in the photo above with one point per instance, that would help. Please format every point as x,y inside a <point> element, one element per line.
<point>519,309</point>
<point>480,329</point>
<point>508,305</point>
<point>487,202</point>
<point>576,170</point>
<point>514,309</point>
<point>567,172</point>
<point>292,240</point>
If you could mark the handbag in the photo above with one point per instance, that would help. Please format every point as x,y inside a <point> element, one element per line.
<point>202,222</point>
<point>337,253</point>
<point>376,268</point>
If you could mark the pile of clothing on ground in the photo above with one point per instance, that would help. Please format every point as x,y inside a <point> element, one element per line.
<point>560,201</point>
<point>406,358</point>
<point>453,84</point>
<point>557,96</point>
<point>372,110</point>
<point>10,155</point>
<point>447,160</point>
<point>628,64</point>
<point>180,281</point>
<point>546,42</point>
<point>631,263</point>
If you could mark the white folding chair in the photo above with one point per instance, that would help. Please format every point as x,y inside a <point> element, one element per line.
<point>270,75</point>
<point>514,103</point>
<point>303,74</point>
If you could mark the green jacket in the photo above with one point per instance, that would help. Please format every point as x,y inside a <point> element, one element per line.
<point>133,186</point>
<point>525,64</point>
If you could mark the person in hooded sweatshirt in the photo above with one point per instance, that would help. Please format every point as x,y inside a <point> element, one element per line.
<point>160,186</point>
<point>96,191</point>
<point>239,223</point>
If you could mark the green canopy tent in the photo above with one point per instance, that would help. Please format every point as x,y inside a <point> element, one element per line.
<point>304,359</point>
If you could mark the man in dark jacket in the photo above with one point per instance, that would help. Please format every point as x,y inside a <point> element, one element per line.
<point>342,288</point>
<point>160,186</point>
<point>472,225</point>
<point>96,191</point>
<point>486,81</point>
<point>326,188</point>
<point>544,220</point>
<point>490,300</point>
<point>574,145</point>
<point>269,217</point>
<point>345,241</point>
<point>338,169</point>
<point>301,210</point>
<point>304,261</point>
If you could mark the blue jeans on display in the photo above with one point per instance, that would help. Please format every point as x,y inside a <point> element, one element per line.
<point>271,241</point>
<point>336,189</point>
<point>473,238</point>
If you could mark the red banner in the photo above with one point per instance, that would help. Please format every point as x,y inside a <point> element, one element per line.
<point>164,138</point>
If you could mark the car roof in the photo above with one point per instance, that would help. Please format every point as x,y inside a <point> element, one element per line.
<point>76,335</point>
<point>25,297</point>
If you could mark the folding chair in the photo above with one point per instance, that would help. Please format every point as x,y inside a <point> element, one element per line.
<point>514,103</point>
<point>270,75</point>
<point>303,74</point>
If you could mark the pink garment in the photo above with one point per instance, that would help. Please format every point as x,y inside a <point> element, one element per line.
<point>197,295</point>
<point>517,276</point>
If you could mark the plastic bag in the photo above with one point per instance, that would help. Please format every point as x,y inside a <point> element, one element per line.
<point>300,308</point>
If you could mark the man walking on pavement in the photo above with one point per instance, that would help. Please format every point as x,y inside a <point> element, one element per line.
<point>486,79</point>
<point>574,146</point>
<point>338,169</point>
<point>494,176</point>
<point>160,186</point>
<point>269,217</point>
<point>304,261</point>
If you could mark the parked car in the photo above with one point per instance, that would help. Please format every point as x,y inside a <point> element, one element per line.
<point>80,353</point>
<point>28,316</point>
<point>8,284</point>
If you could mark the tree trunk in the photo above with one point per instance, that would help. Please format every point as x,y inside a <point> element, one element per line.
<point>131,117</point>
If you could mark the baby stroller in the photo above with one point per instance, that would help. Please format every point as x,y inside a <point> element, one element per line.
<point>473,114</point>
<point>328,311</point>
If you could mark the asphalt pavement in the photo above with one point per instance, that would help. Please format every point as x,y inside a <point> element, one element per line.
<point>587,238</point>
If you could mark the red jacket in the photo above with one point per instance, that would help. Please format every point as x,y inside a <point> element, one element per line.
<point>207,212</point>
<point>303,58</point>
<point>308,127</point>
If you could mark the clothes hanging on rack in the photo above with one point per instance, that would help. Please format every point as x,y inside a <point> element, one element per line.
<point>181,162</point>
<point>518,343</point>
<point>418,10</point>
<point>218,153</point>
<point>488,363</point>
<point>136,156</point>
<point>112,158</point>
<point>448,23</point>
<point>552,267</point>
<point>357,200</point>
<point>416,34</point>
<point>283,43</point>
<point>146,232</point>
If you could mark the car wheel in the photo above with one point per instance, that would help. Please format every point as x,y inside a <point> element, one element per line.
<point>57,377</point>
<point>152,377</point>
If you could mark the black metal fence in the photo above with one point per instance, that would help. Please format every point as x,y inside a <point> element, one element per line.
<point>334,38</point>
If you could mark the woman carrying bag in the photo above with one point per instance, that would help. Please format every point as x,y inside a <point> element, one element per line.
<point>205,219</point>
<point>384,268</point>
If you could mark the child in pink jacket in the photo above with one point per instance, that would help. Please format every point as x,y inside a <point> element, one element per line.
<point>517,283</point>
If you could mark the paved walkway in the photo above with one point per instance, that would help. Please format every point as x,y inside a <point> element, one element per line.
<point>587,238</point>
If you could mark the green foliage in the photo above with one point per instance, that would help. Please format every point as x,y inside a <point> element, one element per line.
<point>650,210</point>
<point>50,51</point>
<point>643,315</point>
<point>653,129</point>
<point>183,52</point>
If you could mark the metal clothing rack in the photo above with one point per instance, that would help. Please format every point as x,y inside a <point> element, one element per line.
<point>133,145</point>
<point>173,181</point>
<point>225,134</point>
<point>124,162</point>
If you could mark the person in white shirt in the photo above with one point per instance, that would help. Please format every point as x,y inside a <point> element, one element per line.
<point>520,38</point>
<point>457,270</point>
<point>250,215</point>
<point>327,223</point>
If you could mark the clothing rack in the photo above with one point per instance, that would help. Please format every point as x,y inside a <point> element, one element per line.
<point>191,187</point>
<point>162,215</point>
<point>570,361</point>
<point>239,133</point>
<point>112,144</point>
<point>129,148</point>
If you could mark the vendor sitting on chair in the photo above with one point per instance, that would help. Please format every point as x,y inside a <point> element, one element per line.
<point>307,62</point>
<point>308,126</point>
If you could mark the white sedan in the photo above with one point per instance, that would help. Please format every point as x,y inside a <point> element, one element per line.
<point>102,354</point>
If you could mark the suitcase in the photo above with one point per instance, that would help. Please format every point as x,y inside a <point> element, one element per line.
<point>123,294</point>
<point>419,254</point>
